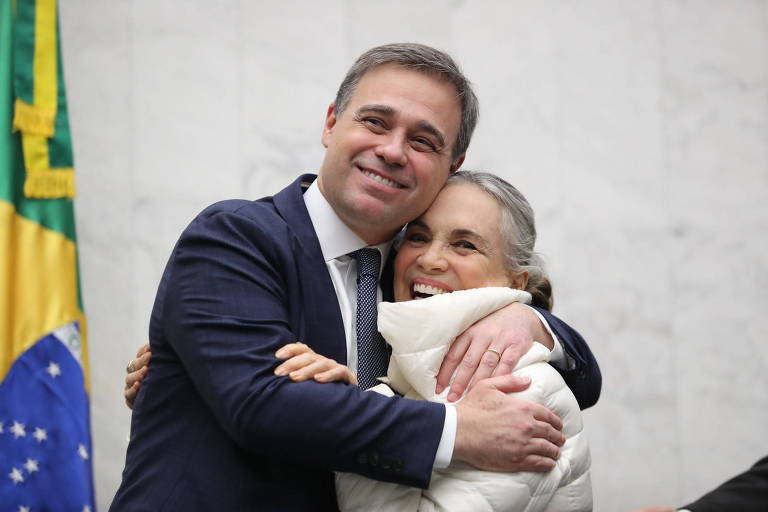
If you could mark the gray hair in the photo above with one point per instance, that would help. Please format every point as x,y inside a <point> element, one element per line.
<point>424,59</point>
<point>519,230</point>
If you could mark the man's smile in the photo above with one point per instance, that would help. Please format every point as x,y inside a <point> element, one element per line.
<point>376,176</point>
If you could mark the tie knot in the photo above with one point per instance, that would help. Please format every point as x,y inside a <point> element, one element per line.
<point>368,262</point>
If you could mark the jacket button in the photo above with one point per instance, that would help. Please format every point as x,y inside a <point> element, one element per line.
<point>397,466</point>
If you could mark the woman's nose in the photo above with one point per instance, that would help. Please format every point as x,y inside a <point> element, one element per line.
<point>433,259</point>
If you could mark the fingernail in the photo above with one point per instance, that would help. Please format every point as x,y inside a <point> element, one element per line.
<point>280,353</point>
<point>279,371</point>
<point>453,396</point>
<point>439,389</point>
<point>296,376</point>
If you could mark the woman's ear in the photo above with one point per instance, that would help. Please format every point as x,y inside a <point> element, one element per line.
<point>519,280</point>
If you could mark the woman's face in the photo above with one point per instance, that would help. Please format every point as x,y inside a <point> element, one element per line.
<point>456,245</point>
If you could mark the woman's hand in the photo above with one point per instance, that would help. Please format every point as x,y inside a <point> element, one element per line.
<point>302,363</point>
<point>137,369</point>
<point>490,347</point>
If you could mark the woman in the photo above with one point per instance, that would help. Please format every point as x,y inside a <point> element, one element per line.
<point>468,255</point>
<point>478,236</point>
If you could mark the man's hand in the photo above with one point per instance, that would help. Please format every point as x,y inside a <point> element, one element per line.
<point>496,432</point>
<point>492,346</point>
<point>137,370</point>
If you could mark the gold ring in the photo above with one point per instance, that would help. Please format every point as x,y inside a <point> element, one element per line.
<point>493,350</point>
<point>129,368</point>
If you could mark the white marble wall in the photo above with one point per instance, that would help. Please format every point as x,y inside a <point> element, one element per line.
<point>639,130</point>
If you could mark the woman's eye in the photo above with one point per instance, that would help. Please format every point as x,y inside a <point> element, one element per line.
<point>464,244</point>
<point>416,238</point>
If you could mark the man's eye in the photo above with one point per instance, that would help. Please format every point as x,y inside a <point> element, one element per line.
<point>422,144</point>
<point>373,122</point>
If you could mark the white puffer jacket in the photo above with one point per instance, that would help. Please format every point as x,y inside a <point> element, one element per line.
<point>420,333</point>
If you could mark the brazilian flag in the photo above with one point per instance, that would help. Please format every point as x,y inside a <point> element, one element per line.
<point>45,442</point>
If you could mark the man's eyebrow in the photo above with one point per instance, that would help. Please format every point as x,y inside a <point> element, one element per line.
<point>432,130</point>
<point>381,109</point>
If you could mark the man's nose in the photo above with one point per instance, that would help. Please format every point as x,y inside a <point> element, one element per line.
<point>392,149</point>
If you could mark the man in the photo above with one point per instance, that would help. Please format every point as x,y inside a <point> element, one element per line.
<point>214,427</point>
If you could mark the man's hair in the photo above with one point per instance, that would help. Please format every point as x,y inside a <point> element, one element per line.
<point>519,230</point>
<point>424,59</point>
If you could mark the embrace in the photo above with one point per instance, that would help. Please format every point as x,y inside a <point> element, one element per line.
<point>265,321</point>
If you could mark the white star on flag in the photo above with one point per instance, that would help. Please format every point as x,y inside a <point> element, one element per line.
<point>18,430</point>
<point>16,475</point>
<point>1,428</point>
<point>31,466</point>
<point>86,508</point>
<point>40,434</point>
<point>53,369</point>
<point>22,508</point>
<point>82,452</point>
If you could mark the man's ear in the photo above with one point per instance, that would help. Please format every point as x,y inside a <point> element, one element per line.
<point>330,122</point>
<point>456,164</point>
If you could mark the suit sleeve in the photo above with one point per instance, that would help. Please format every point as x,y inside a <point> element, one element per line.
<point>747,492</point>
<point>225,311</point>
<point>584,378</point>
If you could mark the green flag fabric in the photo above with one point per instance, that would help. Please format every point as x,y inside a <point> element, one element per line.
<point>45,443</point>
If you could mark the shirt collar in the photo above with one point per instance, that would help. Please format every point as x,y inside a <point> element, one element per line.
<point>335,237</point>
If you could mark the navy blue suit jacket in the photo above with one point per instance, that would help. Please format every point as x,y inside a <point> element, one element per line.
<point>213,428</point>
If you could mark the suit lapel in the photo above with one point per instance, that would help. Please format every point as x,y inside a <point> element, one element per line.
<point>324,329</point>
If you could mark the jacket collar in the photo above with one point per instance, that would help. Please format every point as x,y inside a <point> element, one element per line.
<point>289,203</point>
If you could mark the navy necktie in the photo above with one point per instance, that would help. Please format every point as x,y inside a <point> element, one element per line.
<point>372,353</point>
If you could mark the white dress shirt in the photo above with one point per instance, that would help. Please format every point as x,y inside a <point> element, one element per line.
<point>336,242</point>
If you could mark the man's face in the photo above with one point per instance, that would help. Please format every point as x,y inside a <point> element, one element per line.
<point>389,153</point>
